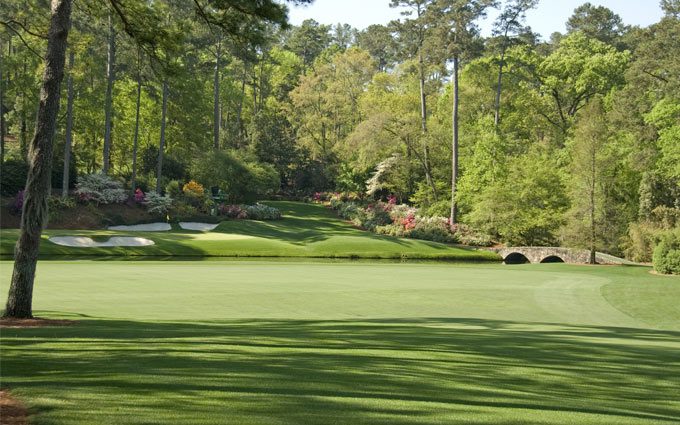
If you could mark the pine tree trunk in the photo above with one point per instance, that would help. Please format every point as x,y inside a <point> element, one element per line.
<point>2,114</point>
<point>161,147</point>
<point>454,154</point>
<point>593,185</point>
<point>34,214</point>
<point>108,101</point>
<point>69,126</point>
<point>423,124</point>
<point>499,86</point>
<point>135,141</point>
<point>216,100</point>
<point>239,110</point>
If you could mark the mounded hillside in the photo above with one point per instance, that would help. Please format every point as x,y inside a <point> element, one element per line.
<point>305,231</point>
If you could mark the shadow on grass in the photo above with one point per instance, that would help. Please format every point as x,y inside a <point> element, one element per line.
<point>388,371</point>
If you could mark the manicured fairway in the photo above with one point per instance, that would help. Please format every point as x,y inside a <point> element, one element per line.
<point>254,342</point>
<point>307,230</point>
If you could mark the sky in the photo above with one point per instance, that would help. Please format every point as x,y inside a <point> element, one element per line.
<point>548,17</point>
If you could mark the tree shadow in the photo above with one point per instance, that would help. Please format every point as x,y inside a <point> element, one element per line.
<point>391,371</point>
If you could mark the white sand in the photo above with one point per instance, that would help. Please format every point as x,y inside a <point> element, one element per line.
<point>201,227</point>
<point>150,227</point>
<point>85,242</point>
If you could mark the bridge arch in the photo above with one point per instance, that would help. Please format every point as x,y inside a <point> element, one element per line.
<point>516,258</point>
<point>553,259</point>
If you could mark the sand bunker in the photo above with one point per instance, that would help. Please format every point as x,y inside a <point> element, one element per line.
<point>85,242</point>
<point>150,227</point>
<point>201,227</point>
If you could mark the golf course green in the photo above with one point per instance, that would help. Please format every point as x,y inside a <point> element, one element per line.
<point>307,230</point>
<point>340,342</point>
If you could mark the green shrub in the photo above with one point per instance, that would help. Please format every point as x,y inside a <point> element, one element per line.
<point>182,210</point>
<point>13,177</point>
<point>173,189</point>
<point>261,212</point>
<point>101,189</point>
<point>157,204</point>
<point>667,253</point>
<point>243,180</point>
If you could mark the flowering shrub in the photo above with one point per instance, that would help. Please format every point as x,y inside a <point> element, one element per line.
<point>252,212</point>
<point>262,212</point>
<point>101,189</point>
<point>17,204</point>
<point>232,211</point>
<point>193,190</point>
<point>157,204</point>
<point>139,196</point>
<point>389,218</point>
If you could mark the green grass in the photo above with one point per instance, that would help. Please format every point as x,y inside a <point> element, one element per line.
<point>266,342</point>
<point>307,230</point>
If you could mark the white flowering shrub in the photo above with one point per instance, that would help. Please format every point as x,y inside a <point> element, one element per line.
<point>157,204</point>
<point>100,188</point>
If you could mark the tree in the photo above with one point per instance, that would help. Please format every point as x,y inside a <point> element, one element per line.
<point>108,100</point>
<point>377,40</point>
<point>589,179</point>
<point>34,213</point>
<point>508,23</point>
<point>597,22</point>
<point>69,126</point>
<point>415,34</point>
<point>308,41</point>
<point>526,205</point>
<point>456,19</point>
<point>141,23</point>
<point>671,8</point>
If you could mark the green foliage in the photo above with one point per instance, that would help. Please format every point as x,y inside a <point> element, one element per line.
<point>243,180</point>
<point>100,189</point>
<point>157,204</point>
<point>13,177</point>
<point>173,189</point>
<point>667,253</point>
<point>526,206</point>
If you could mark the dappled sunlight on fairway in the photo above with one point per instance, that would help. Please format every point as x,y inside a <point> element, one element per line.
<point>347,342</point>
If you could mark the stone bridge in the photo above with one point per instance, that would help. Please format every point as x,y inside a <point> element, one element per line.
<point>541,254</point>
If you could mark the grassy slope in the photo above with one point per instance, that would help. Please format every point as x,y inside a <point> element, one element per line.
<point>306,231</point>
<point>315,343</point>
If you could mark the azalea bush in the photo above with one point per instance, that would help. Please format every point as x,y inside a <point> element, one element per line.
<point>250,212</point>
<point>139,196</point>
<point>400,220</point>
<point>232,211</point>
<point>100,188</point>
<point>156,203</point>
<point>262,212</point>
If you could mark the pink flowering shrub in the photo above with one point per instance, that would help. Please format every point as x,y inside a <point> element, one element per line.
<point>139,196</point>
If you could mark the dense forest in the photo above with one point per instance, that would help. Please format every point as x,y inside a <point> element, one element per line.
<point>566,141</point>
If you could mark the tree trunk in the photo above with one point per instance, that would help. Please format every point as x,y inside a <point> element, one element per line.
<point>69,126</point>
<point>108,101</point>
<point>34,214</point>
<point>593,177</point>
<point>161,147</point>
<point>2,114</point>
<point>423,124</point>
<point>216,100</point>
<point>135,141</point>
<point>239,110</point>
<point>497,104</point>
<point>454,154</point>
